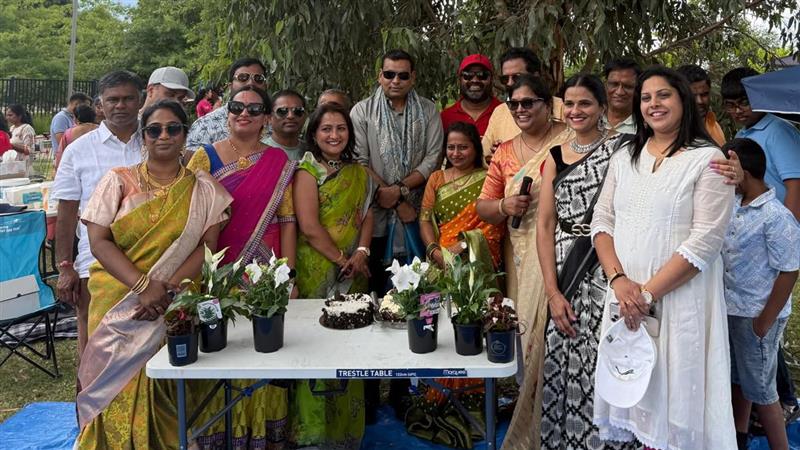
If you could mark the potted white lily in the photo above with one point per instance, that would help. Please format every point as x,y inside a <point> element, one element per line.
<point>266,296</point>
<point>416,292</point>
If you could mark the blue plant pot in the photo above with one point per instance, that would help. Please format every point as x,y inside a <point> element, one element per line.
<point>469,338</point>
<point>500,346</point>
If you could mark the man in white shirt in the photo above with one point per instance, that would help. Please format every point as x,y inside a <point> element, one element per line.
<point>115,143</point>
<point>621,75</point>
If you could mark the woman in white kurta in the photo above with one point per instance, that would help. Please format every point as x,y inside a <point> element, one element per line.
<point>658,228</point>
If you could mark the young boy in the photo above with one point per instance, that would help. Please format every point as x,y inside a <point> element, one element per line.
<point>761,254</point>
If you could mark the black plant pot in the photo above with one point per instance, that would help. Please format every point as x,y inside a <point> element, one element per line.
<point>213,336</point>
<point>500,346</point>
<point>182,349</point>
<point>268,333</point>
<point>469,338</point>
<point>421,340</point>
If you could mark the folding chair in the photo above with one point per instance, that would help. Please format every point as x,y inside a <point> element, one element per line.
<point>24,296</point>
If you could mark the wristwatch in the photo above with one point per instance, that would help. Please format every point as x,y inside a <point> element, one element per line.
<point>404,190</point>
<point>647,296</point>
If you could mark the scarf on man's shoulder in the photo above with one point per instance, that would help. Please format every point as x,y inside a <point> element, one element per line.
<point>399,142</point>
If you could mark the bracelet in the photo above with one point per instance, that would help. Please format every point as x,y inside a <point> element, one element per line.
<point>65,263</point>
<point>364,250</point>
<point>500,208</point>
<point>550,297</point>
<point>432,247</point>
<point>141,284</point>
<point>615,276</point>
<point>341,260</point>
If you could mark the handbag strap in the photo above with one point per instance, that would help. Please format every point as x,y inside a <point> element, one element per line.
<point>587,216</point>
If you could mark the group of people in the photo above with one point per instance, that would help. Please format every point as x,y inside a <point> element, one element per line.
<point>613,192</point>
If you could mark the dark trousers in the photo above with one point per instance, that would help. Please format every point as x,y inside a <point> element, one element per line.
<point>379,277</point>
<point>784,380</point>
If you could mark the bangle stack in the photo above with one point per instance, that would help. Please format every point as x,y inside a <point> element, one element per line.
<point>432,247</point>
<point>141,284</point>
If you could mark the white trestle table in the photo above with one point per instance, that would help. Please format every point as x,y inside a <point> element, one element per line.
<point>312,351</point>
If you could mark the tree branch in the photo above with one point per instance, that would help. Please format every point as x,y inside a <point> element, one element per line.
<point>707,30</point>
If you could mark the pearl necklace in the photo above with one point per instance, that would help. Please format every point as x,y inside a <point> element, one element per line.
<point>582,149</point>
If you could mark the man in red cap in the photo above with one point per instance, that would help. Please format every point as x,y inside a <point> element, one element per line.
<point>477,102</point>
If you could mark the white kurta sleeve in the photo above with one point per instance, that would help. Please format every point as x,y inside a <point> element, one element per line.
<point>712,207</point>
<point>604,217</point>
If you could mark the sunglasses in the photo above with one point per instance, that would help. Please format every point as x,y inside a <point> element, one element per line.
<point>283,111</point>
<point>732,105</point>
<point>390,74</point>
<point>525,103</point>
<point>245,77</point>
<point>513,78</point>
<point>173,129</point>
<point>254,109</point>
<point>482,75</point>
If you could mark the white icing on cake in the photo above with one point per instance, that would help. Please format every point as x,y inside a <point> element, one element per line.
<point>352,304</point>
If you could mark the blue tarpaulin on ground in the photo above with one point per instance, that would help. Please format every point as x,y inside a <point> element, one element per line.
<point>52,426</point>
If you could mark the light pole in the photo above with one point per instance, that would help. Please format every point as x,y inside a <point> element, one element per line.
<point>73,37</point>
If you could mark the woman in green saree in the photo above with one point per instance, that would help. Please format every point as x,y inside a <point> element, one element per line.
<point>147,226</point>
<point>332,196</point>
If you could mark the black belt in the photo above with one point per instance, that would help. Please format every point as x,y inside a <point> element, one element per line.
<point>575,229</point>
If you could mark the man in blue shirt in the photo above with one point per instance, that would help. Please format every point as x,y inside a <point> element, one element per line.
<point>65,119</point>
<point>779,139</point>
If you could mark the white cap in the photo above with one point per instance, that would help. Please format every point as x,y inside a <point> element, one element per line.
<point>172,78</point>
<point>625,361</point>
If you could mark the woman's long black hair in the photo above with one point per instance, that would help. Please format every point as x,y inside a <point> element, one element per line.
<point>22,113</point>
<point>692,131</point>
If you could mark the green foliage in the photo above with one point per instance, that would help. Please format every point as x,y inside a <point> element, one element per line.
<point>220,283</point>
<point>469,284</point>
<point>268,288</point>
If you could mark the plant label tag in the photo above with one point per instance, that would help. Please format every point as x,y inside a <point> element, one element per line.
<point>209,310</point>
<point>181,351</point>
<point>430,304</point>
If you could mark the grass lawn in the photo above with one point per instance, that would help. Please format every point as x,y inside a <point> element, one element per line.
<point>23,384</point>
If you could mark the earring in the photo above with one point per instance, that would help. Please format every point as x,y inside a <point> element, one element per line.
<point>601,124</point>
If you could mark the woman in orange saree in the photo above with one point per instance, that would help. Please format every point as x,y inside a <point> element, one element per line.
<point>448,220</point>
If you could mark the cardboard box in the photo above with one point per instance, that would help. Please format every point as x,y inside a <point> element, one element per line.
<point>18,297</point>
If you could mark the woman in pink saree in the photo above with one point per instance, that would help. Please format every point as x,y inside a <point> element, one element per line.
<point>262,223</point>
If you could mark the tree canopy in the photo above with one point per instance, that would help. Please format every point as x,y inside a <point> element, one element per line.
<point>310,45</point>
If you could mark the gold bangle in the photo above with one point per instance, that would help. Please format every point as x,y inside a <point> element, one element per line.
<point>341,260</point>
<point>500,208</point>
<point>141,285</point>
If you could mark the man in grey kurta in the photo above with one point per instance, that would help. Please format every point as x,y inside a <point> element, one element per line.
<point>399,137</point>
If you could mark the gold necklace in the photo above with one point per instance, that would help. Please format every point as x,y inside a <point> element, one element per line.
<point>458,186</point>
<point>522,158</point>
<point>160,191</point>
<point>242,162</point>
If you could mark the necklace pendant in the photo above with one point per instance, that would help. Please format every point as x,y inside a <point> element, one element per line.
<point>243,162</point>
<point>153,217</point>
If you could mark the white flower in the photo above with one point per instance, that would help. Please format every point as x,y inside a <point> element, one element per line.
<point>215,258</point>
<point>405,279</point>
<point>237,264</point>
<point>394,268</point>
<point>282,274</point>
<point>253,271</point>
<point>272,260</point>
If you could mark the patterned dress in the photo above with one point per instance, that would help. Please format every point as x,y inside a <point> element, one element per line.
<point>569,363</point>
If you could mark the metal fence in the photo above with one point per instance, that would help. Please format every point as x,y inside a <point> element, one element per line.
<point>45,97</point>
